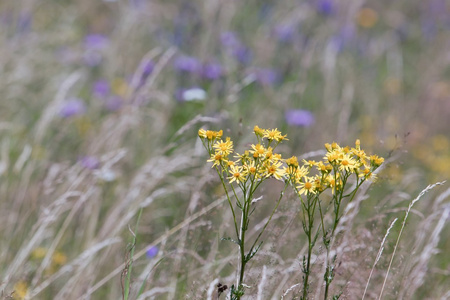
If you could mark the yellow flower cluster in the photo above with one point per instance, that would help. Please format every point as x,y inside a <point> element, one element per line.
<point>260,162</point>
<point>257,163</point>
<point>58,258</point>
<point>337,165</point>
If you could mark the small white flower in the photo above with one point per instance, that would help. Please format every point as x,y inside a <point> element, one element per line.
<point>194,94</point>
<point>105,174</point>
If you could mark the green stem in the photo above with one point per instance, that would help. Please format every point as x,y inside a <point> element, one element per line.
<point>127,285</point>
<point>310,210</point>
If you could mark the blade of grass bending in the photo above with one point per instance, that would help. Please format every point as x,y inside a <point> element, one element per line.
<point>378,256</point>
<point>126,291</point>
<point>141,289</point>
<point>428,188</point>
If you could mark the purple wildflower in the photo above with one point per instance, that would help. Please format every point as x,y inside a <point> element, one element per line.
<point>230,40</point>
<point>101,88</point>
<point>325,7</point>
<point>299,117</point>
<point>243,54</point>
<point>72,107</point>
<point>212,71</point>
<point>95,41</point>
<point>152,252</point>
<point>187,64</point>
<point>89,162</point>
<point>266,77</point>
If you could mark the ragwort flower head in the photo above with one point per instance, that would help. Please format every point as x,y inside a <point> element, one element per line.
<point>300,173</point>
<point>307,186</point>
<point>273,169</point>
<point>237,174</point>
<point>224,148</point>
<point>258,151</point>
<point>217,159</point>
<point>210,134</point>
<point>348,164</point>
<point>292,162</point>
<point>274,134</point>
<point>258,131</point>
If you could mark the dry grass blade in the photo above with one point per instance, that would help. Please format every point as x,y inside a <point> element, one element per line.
<point>423,192</point>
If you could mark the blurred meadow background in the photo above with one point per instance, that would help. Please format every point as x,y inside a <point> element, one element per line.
<point>101,102</point>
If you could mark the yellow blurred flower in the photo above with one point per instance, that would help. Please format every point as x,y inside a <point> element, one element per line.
<point>367,17</point>
<point>258,131</point>
<point>119,87</point>
<point>292,161</point>
<point>20,290</point>
<point>39,253</point>
<point>59,258</point>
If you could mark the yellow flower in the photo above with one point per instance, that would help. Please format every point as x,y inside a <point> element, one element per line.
<point>306,187</point>
<point>309,163</point>
<point>217,159</point>
<point>224,148</point>
<point>20,290</point>
<point>250,168</point>
<point>300,173</point>
<point>274,169</point>
<point>348,164</point>
<point>367,17</point>
<point>210,134</point>
<point>120,87</point>
<point>258,131</point>
<point>202,133</point>
<point>319,184</point>
<point>237,174</point>
<point>362,156</point>
<point>258,150</point>
<point>39,253</point>
<point>274,134</point>
<point>269,153</point>
<point>331,180</point>
<point>323,168</point>
<point>292,161</point>
<point>335,145</point>
<point>333,156</point>
<point>376,161</point>
<point>59,258</point>
<point>367,174</point>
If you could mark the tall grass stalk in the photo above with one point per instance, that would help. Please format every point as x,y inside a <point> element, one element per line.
<point>423,192</point>
<point>380,251</point>
<point>127,271</point>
